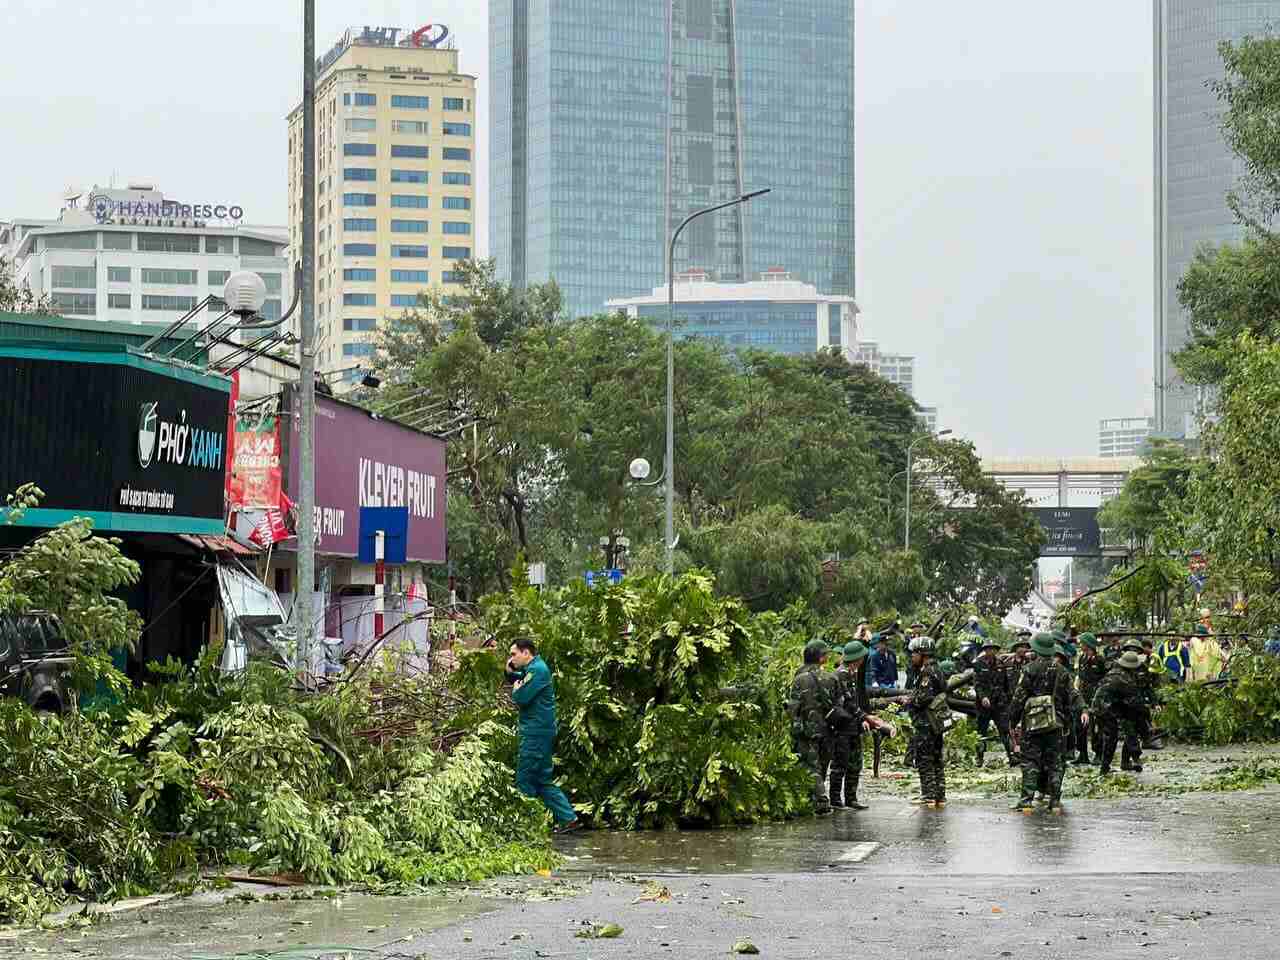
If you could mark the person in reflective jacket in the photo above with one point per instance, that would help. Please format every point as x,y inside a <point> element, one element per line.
<point>535,695</point>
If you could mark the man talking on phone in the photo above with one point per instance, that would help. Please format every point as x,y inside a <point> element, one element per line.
<point>535,695</point>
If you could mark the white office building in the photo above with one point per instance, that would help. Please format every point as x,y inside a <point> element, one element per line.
<point>899,369</point>
<point>774,313</point>
<point>1124,437</point>
<point>133,255</point>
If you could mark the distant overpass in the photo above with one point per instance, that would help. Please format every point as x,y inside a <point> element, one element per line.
<point>1099,476</point>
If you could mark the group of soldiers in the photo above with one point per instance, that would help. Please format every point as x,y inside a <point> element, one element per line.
<point>1051,699</point>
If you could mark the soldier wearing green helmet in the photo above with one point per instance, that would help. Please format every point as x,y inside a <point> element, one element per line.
<point>926,734</point>
<point>991,687</point>
<point>1091,670</point>
<point>846,757</point>
<point>816,707</point>
<point>1042,705</point>
<point>1119,703</point>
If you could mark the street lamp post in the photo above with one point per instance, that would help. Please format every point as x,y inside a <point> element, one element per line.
<point>671,365</point>
<point>906,535</point>
<point>304,616</point>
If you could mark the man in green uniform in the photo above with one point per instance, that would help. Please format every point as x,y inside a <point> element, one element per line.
<point>1013,665</point>
<point>1065,653</point>
<point>1119,704</point>
<point>535,695</point>
<point>926,738</point>
<point>855,720</point>
<point>991,687</point>
<point>815,707</point>
<point>1092,669</point>
<point>1042,706</point>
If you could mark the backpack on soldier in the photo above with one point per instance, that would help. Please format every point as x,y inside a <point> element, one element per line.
<point>1040,715</point>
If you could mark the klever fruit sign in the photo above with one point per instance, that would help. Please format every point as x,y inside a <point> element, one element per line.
<point>367,462</point>
<point>131,442</point>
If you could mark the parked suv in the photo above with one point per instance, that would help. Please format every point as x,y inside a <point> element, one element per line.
<point>34,660</point>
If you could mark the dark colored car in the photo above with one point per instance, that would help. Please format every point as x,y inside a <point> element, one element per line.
<point>34,660</point>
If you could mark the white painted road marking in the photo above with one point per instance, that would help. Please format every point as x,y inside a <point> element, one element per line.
<point>858,852</point>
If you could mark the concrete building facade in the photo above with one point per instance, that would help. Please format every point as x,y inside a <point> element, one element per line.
<point>773,313</point>
<point>613,120</point>
<point>1193,172</point>
<point>130,255</point>
<point>395,181</point>
<point>1124,437</point>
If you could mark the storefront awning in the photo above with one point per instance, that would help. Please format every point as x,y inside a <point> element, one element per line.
<point>217,545</point>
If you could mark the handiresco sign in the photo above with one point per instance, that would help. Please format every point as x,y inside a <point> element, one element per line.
<point>1070,531</point>
<point>363,462</point>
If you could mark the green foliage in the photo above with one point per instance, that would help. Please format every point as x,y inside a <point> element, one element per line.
<point>807,444</point>
<point>1151,493</point>
<point>770,558</point>
<point>1246,710</point>
<point>646,739</point>
<point>18,299</point>
<point>73,574</point>
<point>207,770</point>
<point>978,541</point>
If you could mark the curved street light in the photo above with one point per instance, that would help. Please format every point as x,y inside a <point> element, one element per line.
<point>671,365</point>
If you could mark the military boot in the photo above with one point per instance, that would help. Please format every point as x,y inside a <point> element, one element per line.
<point>836,789</point>
<point>851,793</point>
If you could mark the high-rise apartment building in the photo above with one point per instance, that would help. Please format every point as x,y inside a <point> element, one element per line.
<point>1193,170</point>
<point>897,368</point>
<point>773,313</point>
<point>133,255</point>
<point>395,192</point>
<point>1124,437</point>
<point>612,120</point>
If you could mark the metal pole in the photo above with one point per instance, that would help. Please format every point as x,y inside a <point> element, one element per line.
<point>671,363</point>
<point>303,615</point>
<point>379,583</point>
<point>671,416</point>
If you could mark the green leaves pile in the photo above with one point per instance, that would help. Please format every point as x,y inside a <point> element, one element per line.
<point>204,770</point>
<point>1246,710</point>
<point>650,734</point>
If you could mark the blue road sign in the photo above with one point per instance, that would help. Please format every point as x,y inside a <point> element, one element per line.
<point>394,523</point>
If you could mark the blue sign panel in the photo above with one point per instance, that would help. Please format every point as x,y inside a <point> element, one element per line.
<point>394,523</point>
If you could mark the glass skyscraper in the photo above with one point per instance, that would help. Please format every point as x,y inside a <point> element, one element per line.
<point>613,119</point>
<point>1193,169</point>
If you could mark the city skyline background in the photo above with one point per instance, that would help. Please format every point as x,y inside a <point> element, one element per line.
<point>1003,172</point>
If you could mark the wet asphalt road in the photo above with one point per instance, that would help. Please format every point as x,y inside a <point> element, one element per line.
<point>1190,876</point>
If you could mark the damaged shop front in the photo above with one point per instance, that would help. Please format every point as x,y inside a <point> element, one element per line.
<point>362,461</point>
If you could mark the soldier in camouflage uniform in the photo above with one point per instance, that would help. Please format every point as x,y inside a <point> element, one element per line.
<point>1091,671</point>
<point>855,720</point>
<point>926,743</point>
<point>991,688</point>
<point>1043,677</point>
<point>1065,653</point>
<point>1013,664</point>
<point>815,707</point>
<point>1119,704</point>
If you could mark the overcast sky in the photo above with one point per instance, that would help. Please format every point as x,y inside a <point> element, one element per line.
<point>1003,174</point>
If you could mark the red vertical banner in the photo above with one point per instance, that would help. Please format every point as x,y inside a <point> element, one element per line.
<point>254,464</point>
